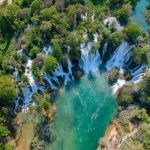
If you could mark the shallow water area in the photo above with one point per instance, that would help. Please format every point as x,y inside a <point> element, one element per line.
<point>84,109</point>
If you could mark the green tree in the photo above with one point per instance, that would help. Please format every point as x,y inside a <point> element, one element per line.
<point>7,90</point>
<point>45,105</point>
<point>115,40</point>
<point>50,63</point>
<point>4,132</point>
<point>143,136</point>
<point>57,53</point>
<point>142,116</point>
<point>113,75</point>
<point>144,88</point>
<point>133,31</point>
<point>125,95</point>
<point>35,7</point>
<point>141,54</point>
<point>124,13</point>
<point>74,45</point>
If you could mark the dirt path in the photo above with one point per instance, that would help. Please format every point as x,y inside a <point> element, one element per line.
<point>26,135</point>
<point>126,137</point>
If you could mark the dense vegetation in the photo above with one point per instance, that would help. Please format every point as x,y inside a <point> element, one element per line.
<point>27,26</point>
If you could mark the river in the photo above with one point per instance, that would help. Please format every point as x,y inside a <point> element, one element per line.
<point>139,14</point>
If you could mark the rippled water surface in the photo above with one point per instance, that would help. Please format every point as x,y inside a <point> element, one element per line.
<point>84,109</point>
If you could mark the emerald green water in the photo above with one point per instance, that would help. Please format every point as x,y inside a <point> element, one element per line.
<point>84,109</point>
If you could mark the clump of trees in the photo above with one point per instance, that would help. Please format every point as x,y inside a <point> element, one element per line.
<point>7,90</point>
<point>144,89</point>
<point>126,95</point>
<point>133,31</point>
<point>50,64</point>
<point>113,75</point>
<point>141,54</point>
<point>147,15</point>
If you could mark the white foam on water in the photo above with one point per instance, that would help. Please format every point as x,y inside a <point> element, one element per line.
<point>90,61</point>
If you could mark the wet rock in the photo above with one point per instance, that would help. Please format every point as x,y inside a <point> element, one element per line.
<point>113,75</point>
<point>77,74</point>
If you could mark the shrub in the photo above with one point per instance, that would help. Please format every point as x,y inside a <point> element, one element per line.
<point>50,64</point>
<point>7,90</point>
<point>133,31</point>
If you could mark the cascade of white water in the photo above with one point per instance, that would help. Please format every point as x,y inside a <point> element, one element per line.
<point>96,37</point>
<point>137,73</point>
<point>89,61</point>
<point>28,73</point>
<point>104,48</point>
<point>120,82</point>
<point>27,93</point>
<point>120,57</point>
<point>59,72</point>
<point>48,79</point>
<point>47,49</point>
<point>70,68</point>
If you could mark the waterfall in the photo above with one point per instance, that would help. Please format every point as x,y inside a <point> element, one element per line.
<point>89,61</point>
<point>48,79</point>
<point>28,73</point>
<point>120,82</point>
<point>59,72</point>
<point>104,50</point>
<point>47,49</point>
<point>96,37</point>
<point>27,92</point>
<point>70,68</point>
<point>120,57</point>
<point>118,85</point>
<point>138,73</point>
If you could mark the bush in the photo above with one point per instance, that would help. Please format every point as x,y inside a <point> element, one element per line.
<point>140,54</point>
<point>113,75</point>
<point>57,53</point>
<point>50,64</point>
<point>7,90</point>
<point>125,95</point>
<point>144,88</point>
<point>133,31</point>
<point>116,39</point>
<point>74,45</point>
<point>4,132</point>
<point>124,13</point>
